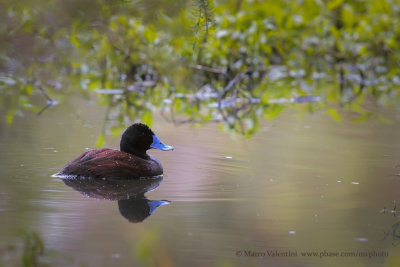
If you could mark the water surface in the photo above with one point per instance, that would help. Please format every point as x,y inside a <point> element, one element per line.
<point>300,184</point>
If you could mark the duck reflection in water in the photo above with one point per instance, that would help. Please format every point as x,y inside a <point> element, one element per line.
<point>132,203</point>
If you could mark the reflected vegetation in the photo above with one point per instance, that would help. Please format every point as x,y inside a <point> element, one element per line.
<point>231,62</point>
<point>394,232</point>
<point>132,203</point>
<point>32,252</point>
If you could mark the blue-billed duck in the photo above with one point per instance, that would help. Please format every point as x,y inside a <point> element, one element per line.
<point>130,162</point>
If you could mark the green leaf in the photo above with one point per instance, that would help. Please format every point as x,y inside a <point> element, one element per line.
<point>348,16</point>
<point>363,117</point>
<point>334,4</point>
<point>147,118</point>
<point>116,130</point>
<point>100,140</point>
<point>273,111</point>
<point>75,41</point>
<point>10,115</point>
<point>334,114</point>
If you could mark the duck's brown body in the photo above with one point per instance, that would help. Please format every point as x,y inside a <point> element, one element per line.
<point>110,163</point>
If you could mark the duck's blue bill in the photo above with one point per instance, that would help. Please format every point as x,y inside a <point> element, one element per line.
<point>160,145</point>
<point>154,204</point>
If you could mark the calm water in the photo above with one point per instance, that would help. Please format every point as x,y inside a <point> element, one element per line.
<point>301,184</point>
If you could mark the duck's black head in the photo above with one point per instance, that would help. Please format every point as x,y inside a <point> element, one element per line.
<point>138,138</point>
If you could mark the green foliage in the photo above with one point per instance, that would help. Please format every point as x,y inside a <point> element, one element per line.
<point>334,114</point>
<point>149,250</point>
<point>30,251</point>
<point>33,249</point>
<point>205,18</point>
<point>250,59</point>
<point>100,140</point>
<point>145,249</point>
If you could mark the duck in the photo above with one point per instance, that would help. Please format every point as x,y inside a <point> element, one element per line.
<point>131,161</point>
